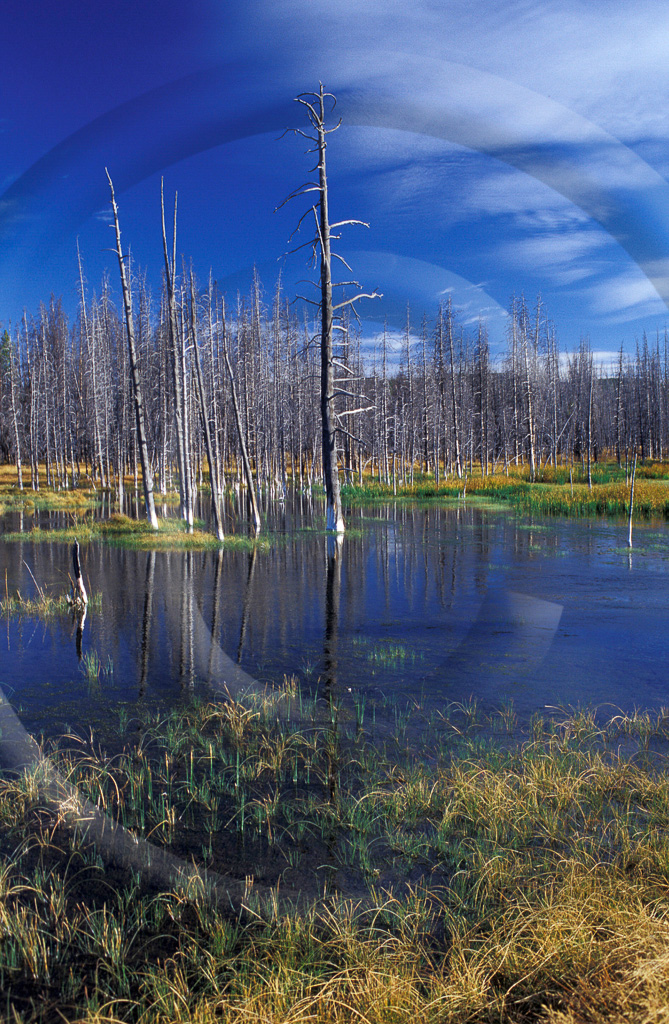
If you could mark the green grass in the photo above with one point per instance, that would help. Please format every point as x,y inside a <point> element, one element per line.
<point>92,667</point>
<point>386,653</point>
<point>450,878</point>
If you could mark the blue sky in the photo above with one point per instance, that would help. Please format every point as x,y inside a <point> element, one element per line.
<point>494,147</point>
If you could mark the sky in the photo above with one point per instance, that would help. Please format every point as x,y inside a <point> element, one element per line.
<point>494,147</point>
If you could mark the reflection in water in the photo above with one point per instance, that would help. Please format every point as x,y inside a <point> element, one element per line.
<point>330,737</point>
<point>450,601</point>
<point>332,599</point>
<point>513,630</point>
<point>79,620</point>
<point>215,612</point>
<point>146,621</point>
<point>186,658</point>
<point>247,603</point>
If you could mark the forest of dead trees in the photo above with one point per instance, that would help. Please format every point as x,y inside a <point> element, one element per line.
<point>440,404</point>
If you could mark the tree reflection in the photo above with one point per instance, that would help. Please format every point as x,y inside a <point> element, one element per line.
<point>332,599</point>
<point>246,607</point>
<point>330,689</point>
<point>146,621</point>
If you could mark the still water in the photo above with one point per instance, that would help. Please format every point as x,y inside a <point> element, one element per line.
<point>431,604</point>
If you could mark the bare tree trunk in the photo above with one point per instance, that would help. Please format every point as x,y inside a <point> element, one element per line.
<point>213,469</point>
<point>590,368</point>
<point>177,370</point>
<point>629,520</point>
<point>147,476</point>
<point>454,399</point>
<point>79,595</point>
<point>15,421</point>
<point>530,410</point>
<point>251,496</point>
<point>334,516</point>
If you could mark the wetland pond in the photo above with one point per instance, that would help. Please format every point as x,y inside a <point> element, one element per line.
<point>420,604</point>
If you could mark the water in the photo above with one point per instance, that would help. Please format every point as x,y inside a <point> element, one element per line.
<point>429,605</point>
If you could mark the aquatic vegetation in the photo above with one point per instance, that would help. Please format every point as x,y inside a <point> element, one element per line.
<point>43,605</point>
<point>75,499</point>
<point>551,494</point>
<point>58,501</point>
<point>122,531</point>
<point>386,653</point>
<point>92,667</point>
<point>498,880</point>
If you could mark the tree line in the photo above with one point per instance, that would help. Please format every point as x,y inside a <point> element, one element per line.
<point>442,405</point>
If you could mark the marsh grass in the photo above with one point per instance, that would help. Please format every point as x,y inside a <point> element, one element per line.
<point>93,667</point>
<point>42,604</point>
<point>447,882</point>
<point>551,494</point>
<point>122,531</point>
<point>12,499</point>
<point>386,653</point>
<point>55,501</point>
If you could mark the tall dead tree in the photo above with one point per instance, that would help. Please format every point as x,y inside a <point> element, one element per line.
<point>147,475</point>
<point>254,513</point>
<point>454,395</point>
<point>321,244</point>
<point>14,410</point>
<point>177,361</point>
<point>204,417</point>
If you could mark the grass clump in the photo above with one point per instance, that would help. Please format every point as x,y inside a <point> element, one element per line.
<point>42,605</point>
<point>444,881</point>
<point>386,653</point>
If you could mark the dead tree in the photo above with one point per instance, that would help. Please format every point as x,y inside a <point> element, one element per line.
<point>147,475</point>
<point>178,370</point>
<point>631,511</point>
<point>254,513</point>
<point>204,416</point>
<point>329,311</point>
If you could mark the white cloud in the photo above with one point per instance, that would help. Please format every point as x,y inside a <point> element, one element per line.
<point>605,360</point>
<point>605,58</point>
<point>566,256</point>
<point>625,297</point>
